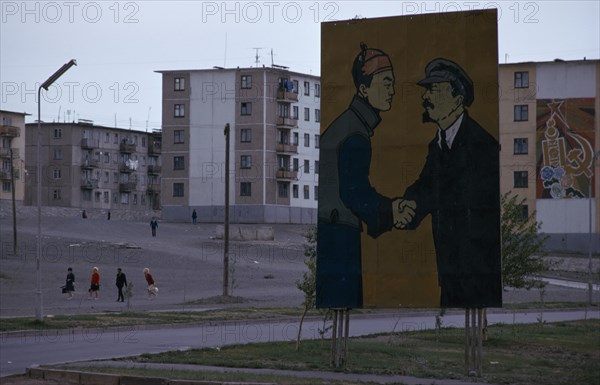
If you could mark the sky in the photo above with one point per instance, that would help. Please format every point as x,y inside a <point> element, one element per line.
<point>119,45</point>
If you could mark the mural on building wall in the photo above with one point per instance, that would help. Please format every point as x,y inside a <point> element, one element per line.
<point>409,163</point>
<point>565,137</point>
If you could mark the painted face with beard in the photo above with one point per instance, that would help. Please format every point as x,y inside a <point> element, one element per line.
<point>439,103</point>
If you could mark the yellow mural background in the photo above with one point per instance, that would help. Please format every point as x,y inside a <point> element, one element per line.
<point>399,268</point>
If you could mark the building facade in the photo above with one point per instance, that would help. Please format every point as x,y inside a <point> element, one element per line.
<point>12,153</point>
<point>274,119</point>
<point>550,137</point>
<point>94,167</point>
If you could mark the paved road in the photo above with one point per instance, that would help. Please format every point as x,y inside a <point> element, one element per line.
<point>21,350</point>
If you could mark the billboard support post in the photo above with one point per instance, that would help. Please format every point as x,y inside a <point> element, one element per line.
<point>473,341</point>
<point>339,337</point>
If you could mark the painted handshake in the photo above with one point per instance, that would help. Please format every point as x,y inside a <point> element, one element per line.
<point>403,212</point>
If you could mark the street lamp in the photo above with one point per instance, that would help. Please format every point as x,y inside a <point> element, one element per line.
<point>38,311</point>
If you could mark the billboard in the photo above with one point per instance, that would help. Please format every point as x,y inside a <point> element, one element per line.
<point>409,176</point>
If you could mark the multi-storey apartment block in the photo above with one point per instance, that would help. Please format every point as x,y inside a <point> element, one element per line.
<point>550,138</point>
<point>94,167</point>
<point>12,152</point>
<point>274,117</point>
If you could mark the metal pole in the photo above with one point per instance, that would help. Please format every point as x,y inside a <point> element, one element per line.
<point>590,240</point>
<point>14,208</point>
<point>479,341</point>
<point>39,313</point>
<point>226,226</point>
<point>467,338</point>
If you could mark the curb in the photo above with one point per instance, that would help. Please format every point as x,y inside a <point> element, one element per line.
<point>89,378</point>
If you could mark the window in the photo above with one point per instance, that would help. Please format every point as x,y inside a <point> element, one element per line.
<point>97,196</point>
<point>306,166</point>
<point>246,108</point>
<point>178,136</point>
<point>179,110</point>
<point>306,192</point>
<point>245,189</point>
<point>115,197</point>
<point>295,139</point>
<point>106,137</point>
<point>56,173</point>
<point>115,177</point>
<point>524,213</point>
<point>520,146</point>
<point>283,189</point>
<point>521,113</point>
<point>177,189</point>
<point>246,161</point>
<point>306,140</point>
<point>106,196</point>
<point>116,139</point>
<point>306,114</point>
<point>246,135</point>
<point>522,79</point>
<point>178,163</point>
<point>306,88</point>
<point>125,198</point>
<point>107,157</point>
<point>135,199</point>
<point>143,141</point>
<point>317,90</point>
<point>296,86</point>
<point>106,177</point>
<point>295,112</point>
<point>316,193</point>
<point>295,191</point>
<point>316,166</point>
<point>179,84</point>
<point>56,194</point>
<point>520,179</point>
<point>317,115</point>
<point>246,82</point>
<point>87,195</point>
<point>57,133</point>
<point>6,186</point>
<point>295,164</point>
<point>317,140</point>
<point>143,200</point>
<point>58,153</point>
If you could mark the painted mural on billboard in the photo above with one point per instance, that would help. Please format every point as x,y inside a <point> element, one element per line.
<point>565,137</point>
<point>409,163</point>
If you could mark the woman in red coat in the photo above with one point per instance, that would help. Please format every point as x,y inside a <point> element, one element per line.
<point>95,283</point>
<point>152,289</point>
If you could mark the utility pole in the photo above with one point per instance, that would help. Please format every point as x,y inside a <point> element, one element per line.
<point>14,208</point>
<point>226,226</point>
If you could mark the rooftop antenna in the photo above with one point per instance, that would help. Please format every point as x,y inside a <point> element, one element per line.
<point>257,57</point>
<point>58,120</point>
<point>149,108</point>
<point>271,57</point>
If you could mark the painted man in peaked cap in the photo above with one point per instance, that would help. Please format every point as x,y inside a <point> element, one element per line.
<point>459,187</point>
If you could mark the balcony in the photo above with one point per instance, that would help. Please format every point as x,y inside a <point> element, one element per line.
<point>88,164</point>
<point>127,148</point>
<point>5,153</point>
<point>154,149</point>
<point>154,170</point>
<point>154,188</point>
<point>287,174</point>
<point>287,148</point>
<point>89,184</point>
<point>287,122</point>
<point>9,131</point>
<point>126,168</point>
<point>284,95</point>
<point>127,186</point>
<point>89,144</point>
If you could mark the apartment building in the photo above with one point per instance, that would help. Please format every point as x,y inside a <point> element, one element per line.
<point>274,116</point>
<point>94,167</point>
<point>550,137</point>
<point>12,152</point>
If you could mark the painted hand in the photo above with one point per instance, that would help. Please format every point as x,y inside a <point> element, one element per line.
<point>403,212</point>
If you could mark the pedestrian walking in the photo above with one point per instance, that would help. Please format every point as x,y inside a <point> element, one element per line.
<point>194,216</point>
<point>152,289</point>
<point>153,226</point>
<point>108,215</point>
<point>95,283</point>
<point>69,287</point>
<point>84,215</point>
<point>121,281</point>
